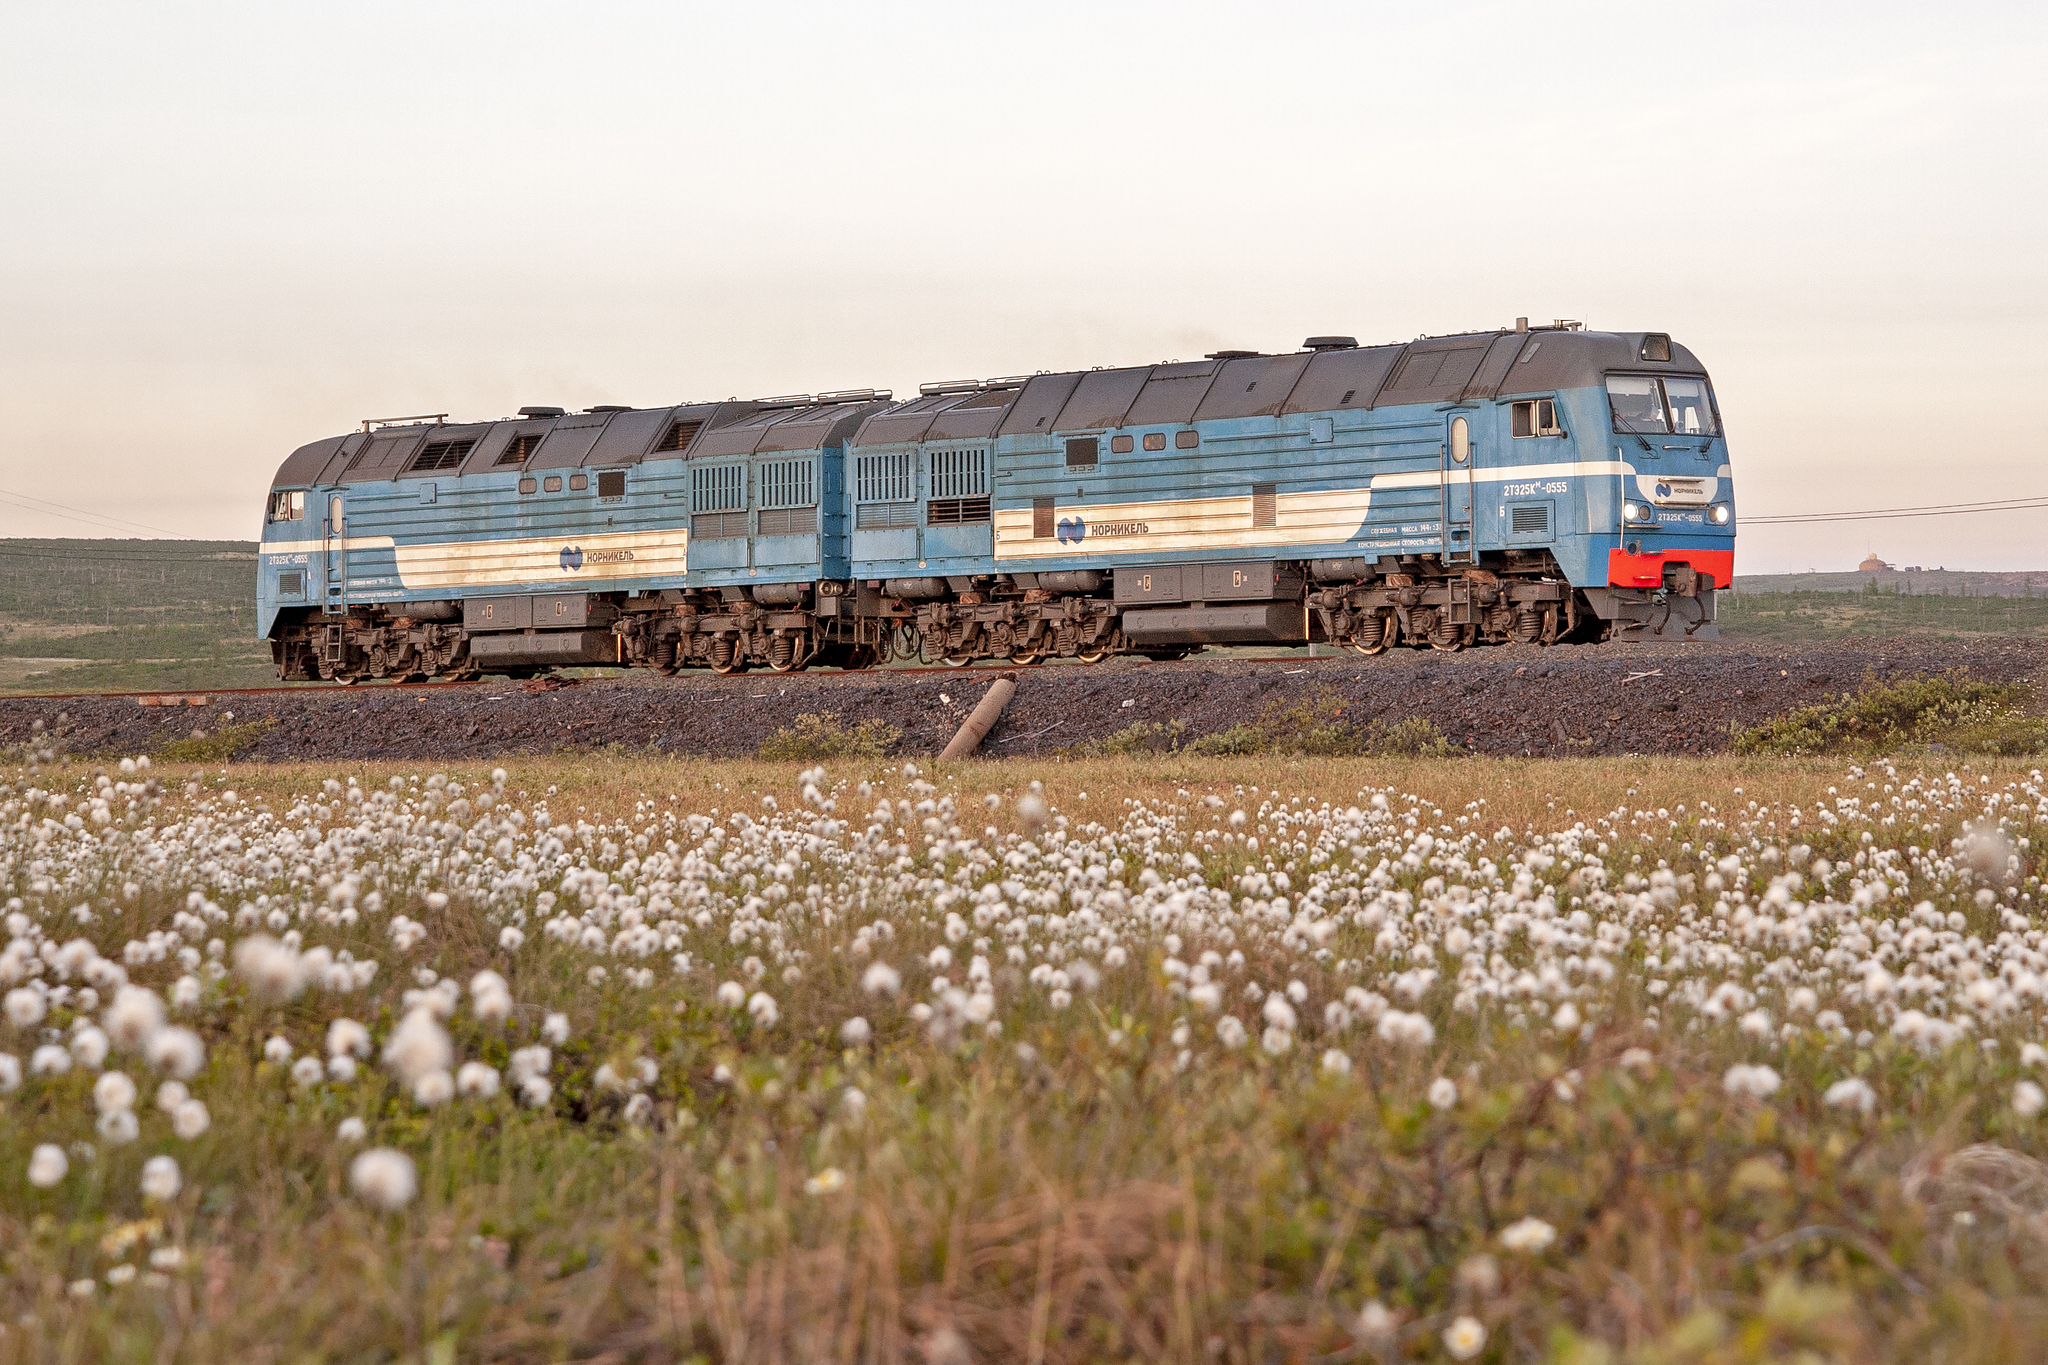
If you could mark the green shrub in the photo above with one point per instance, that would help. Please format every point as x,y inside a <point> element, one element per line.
<point>1316,727</point>
<point>213,746</point>
<point>1141,737</point>
<point>816,737</point>
<point>1951,710</point>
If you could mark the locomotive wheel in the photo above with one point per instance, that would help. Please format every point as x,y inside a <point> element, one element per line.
<point>730,667</point>
<point>1451,641</point>
<point>1092,656</point>
<point>960,661</point>
<point>1029,656</point>
<point>1382,639</point>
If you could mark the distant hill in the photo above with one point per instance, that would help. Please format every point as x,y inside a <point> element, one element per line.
<point>1909,583</point>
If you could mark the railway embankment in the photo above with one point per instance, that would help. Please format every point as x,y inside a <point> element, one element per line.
<point>1568,701</point>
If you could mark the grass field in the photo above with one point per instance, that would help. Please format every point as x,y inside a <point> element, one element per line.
<point>123,615</point>
<point>1184,1059</point>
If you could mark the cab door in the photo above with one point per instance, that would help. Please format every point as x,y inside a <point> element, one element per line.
<point>1460,453</point>
<point>333,553</point>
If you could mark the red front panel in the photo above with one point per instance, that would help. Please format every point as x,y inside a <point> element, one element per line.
<point>1625,570</point>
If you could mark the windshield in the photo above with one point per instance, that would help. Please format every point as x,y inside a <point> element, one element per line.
<point>1644,405</point>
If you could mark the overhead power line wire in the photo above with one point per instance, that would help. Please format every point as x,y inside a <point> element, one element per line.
<point>1899,513</point>
<point>51,508</point>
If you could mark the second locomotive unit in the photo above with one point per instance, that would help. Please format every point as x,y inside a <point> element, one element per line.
<point>1534,485</point>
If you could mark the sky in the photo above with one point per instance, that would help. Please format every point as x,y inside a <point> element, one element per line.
<point>227,230</point>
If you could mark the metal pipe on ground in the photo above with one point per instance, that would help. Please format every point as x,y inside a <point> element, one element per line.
<point>983,718</point>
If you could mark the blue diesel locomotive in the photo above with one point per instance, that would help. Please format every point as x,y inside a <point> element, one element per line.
<point>1533,484</point>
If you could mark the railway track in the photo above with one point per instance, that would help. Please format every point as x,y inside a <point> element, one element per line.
<point>200,696</point>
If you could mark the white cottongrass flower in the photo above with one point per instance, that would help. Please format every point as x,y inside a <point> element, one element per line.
<point>1279,1013</point>
<point>1464,1338</point>
<point>1756,1023</point>
<point>271,968</point>
<point>1376,1321</point>
<point>490,998</point>
<point>1853,1093</point>
<point>1337,1062</point>
<point>351,1129</point>
<point>855,1032</point>
<point>160,1178</point>
<point>476,1080</point>
<point>49,1060</point>
<point>384,1178</point>
<point>1757,1082</point>
<point>2033,1054</point>
<point>1208,995</point>
<point>417,1047</point>
<point>308,1072</point>
<point>176,1050</point>
<point>831,1180</point>
<point>118,1126</point>
<point>1276,1041</point>
<point>536,1091</point>
<point>529,1061</point>
<point>762,1006</point>
<point>10,1073</point>
<point>89,1047</point>
<point>1230,1032</point>
<point>881,979</point>
<point>1408,1030</point>
<point>2027,1099</point>
<point>1031,810</point>
<point>732,994</point>
<point>278,1050</point>
<point>347,1037</point>
<point>1566,1018</point>
<point>190,1119</point>
<point>510,938</point>
<point>26,1007</point>
<point>855,1100</point>
<point>341,1070</point>
<point>47,1165</point>
<point>113,1091</point>
<point>1443,1092</point>
<point>167,1258</point>
<point>185,992</point>
<point>170,1095</point>
<point>1527,1234</point>
<point>555,1028</point>
<point>432,1088</point>
<point>135,1014</point>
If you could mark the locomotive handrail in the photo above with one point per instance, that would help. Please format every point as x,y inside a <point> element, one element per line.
<point>437,418</point>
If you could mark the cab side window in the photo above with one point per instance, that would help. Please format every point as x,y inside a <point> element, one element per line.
<point>288,505</point>
<point>1536,417</point>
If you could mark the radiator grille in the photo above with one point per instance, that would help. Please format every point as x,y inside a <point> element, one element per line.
<point>789,521</point>
<point>788,483</point>
<point>520,450</point>
<point>679,435</point>
<point>880,516</point>
<point>439,455</point>
<point>960,473</point>
<point>718,488</point>
<point>956,511</point>
<point>719,525</point>
<point>1265,505</point>
<point>1529,519</point>
<point>884,478</point>
<point>611,483</point>
<point>1042,518</point>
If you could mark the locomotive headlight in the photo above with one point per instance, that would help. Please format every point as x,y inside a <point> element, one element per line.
<point>1633,511</point>
<point>1722,514</point>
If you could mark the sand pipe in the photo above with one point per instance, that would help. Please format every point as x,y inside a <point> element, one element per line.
<point>983,718</point>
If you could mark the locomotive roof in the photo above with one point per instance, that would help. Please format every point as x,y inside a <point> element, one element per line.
<point>1444,369</point>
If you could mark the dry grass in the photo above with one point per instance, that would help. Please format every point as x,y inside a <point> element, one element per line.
<point>1088,1200</point>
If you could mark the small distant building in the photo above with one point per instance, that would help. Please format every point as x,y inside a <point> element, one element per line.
<point>1873,564</point>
